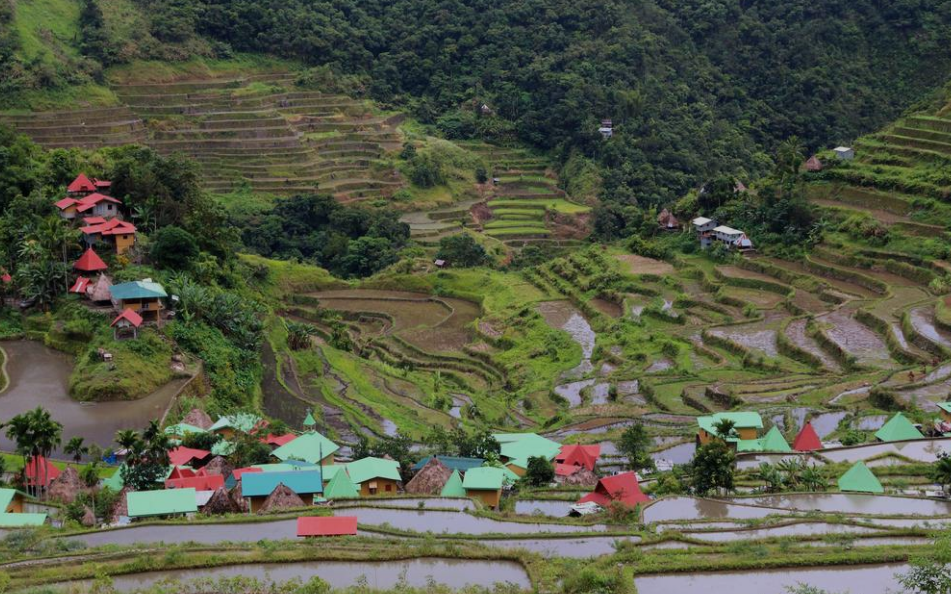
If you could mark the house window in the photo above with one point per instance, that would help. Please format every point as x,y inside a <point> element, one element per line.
<point>388,488</point>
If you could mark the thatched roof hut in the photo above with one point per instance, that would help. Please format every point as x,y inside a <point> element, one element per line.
<point>583,477</point>
<point>430,479</point>
<point>813,164</point>
<point>89,518</point>
<point>219,465</point>
<point>198,418</point>
<point>281,498</point>
<point>121,507</point>
<point>66,487</point>
<point>100,292</point>
<point>241,502</point>
<point>221,503</point>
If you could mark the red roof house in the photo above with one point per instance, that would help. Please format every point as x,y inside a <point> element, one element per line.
<point>90,262</point>
<point>5,277</point>
<point>574,457</point>
<point>327,526</point>
<point>807,440</point>
<point>181,455</point>
<point>87,203</point>
<point>81,185</point>
<point>130,316</point>
<point>237,473</point>
<point>80,286</point>
<point>181,473</point>
<point>620,488</point>
<point>278,440</point>
<point>199,482</point>
<point>39,472</point>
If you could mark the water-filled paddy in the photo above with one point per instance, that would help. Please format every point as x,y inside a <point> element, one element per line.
<point>546,507</point>
<point>922,451</point>
<point>689,508</point>
<point>801,529</point>
<point>563,316</point>
<point>455,522</point>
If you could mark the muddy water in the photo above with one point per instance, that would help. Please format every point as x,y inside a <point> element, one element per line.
<point>856,338</point>
<point>572,391</point>
<point>922,451</point>
<point>577,548</point>
<point>563,316</point>
<point>414,503</point>
<point>826,423</point>
<point>689,508</point>
<point>679,454</point>
<point>752,336</point>
<point>455,573</point>
<point>853,504</point>
<point>922,320</point>
<point>796,332</point>
<point>198,533</point>
<point>871,579</point>
<point>40,377</point>
<point>608,308</point>
<point>455,523</point>
<point>870,423</point>
<point>543,507</point>
<point>803,529</point>
<point>662,364</point>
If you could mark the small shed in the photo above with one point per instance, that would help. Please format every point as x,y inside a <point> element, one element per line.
<point>844,153</point>
<point>859,479</point>
<point>327,526</point>
<point>430,479</point>
<point>125,321</point>
<point>774,441</point>
<point>341,487</point>
<point>898,428</point>
<point>453,486</point>
<point>310,447</point>
<point>484,484</point>
<point>439,263</point>
<point>90,262</point>
<point>813,164</point>
<point>282,497</point>
<point>80,286</point>
<point>99,291</point>
<point>807,440</point>
<point>667,221</point>
<point>168,502</point>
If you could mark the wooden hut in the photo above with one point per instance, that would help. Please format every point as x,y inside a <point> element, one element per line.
<point>282,497</point>
<point>430,479</point>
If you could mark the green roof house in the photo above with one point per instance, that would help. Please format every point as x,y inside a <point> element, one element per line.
<point>143,297</point>
<point>774,441</point>
<point>8,520</point>
<point>485,484</point>
<point>228,425</point>
<point>859,479</point>
<point>310,447</point>
<point>12,500</point>
<point>180,430</point>
<point>517,448</point>
<point>898,428</point>
<point>309,421</point>
<point>453,486</point>
<point>165,502</point>
<point>340,486</point>
<point>746,427</point>
<point>375,476</point>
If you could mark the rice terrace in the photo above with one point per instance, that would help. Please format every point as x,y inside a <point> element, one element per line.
<point>314,297</point>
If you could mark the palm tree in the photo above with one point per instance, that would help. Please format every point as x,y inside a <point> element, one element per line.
<point>942,472</point>
<point>793,469</point>
<point>128,439</point>
<point>771,476</point>
<point>76,448</point>
<point>36,435</point>
<point>813,479</point>
<point>49,436</point>
<point>724,428</point>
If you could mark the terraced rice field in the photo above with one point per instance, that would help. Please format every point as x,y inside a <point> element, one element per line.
<point>258,131</point>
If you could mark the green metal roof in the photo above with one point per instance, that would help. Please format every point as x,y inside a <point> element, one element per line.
<point>309,447</point>
<point>945,406</point>
<point>309,420</point>
<point>741,420</point>
<point>261,484</point>
<point>6,498</point>
<point>486,478</point>
<point>276,467</point>
<point>453,486</point>
<point>860,479</point>
<point>160,503</point>
<point>18,520</point>
<point>137,290</point>
<point>452,463</point>
<point>747,445</point>
<point>182,429</point>
<point>774,441</point>
<point>240,422</point>
<point>115,481</point>
<point>370,468</point>
<point>522,446</point>
<point>329,471</point>
<point>898,428</point>
<point>341,487</point>
<point>224,448</point>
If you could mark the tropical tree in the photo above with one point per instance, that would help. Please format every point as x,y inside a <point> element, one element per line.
<point>127,439</point>
<point>930,572</point>
<point>724,428</point>
<point>941,473</point>
<point>540,472</point>
<point>76,448</point>
<point>712,468</point>
<point>299,335</point>
<point>36,435</point>
<point>635,443</point>
<point>813,480</point>
<point>770,475</point>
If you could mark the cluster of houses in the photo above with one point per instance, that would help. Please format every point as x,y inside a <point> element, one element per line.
<point>709,231</point>
<point>101,220</point>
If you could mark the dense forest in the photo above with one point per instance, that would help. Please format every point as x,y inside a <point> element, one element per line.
<point>695,88</point>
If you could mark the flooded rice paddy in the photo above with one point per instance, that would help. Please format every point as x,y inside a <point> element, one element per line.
<point>921,451</point>
<point>796,332</point>
<point>874,579</point>
<point>39,376</point>
<point>799,529</point>
<point>689,509</point>
<point>455,573</point>
<point>922,320</point>
<point>856,339</point>
<point>571,548</point>
<point>851,504</point>
<point>414,503</point>
<point>678,454</point>
<point>455,523</point>
<point>545,507</point>
<point>564,316</point>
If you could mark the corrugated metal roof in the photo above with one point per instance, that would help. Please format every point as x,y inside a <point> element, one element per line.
<point>370,468</point>
<point>308,447</point>
<point>484,479</point>
<point>17,520</point>
<point>137,290</point>
<point>327,526</point>
<point>302,482</point>
<point>160,503</point>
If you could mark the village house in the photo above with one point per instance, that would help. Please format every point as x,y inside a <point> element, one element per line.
<point>485,484</point>
<point>118,234</point>
<point>898,428</point>
<point>667,221</point>
<point>310,447</point>
<point>453,486</point>
<point>844,153</point>
<point>518,448</point>
<point>622,489</point>
<point>807,440</point>
<point>256,487</point>
<point>375,476</point>
<point>84,195</point>
<point>746,427</point>
<point>166,502</point>
<point>732,238</point>
<point>813,164</point>
<point>12,501</point>
<point>227,425</point>
<point>127,321</point>
<point>573,458</point>
<point>704,229</point>
<point>22,520</point>
<point>859,479</point>
<point>607,129</point>
<point>339,485</point>
<point>143,297</point>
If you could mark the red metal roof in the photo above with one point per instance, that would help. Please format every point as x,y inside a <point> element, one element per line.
<point>93,220</point>
<point>203,482</point>
<point>66,203</point>
<point>101,183</point>
<point>181,472</point>
<point>584,456</point>
<point>111,226</point>
<point>327,526</point>
<point>87,202</point>
<point>238,472</point>
<point>278,440</point>
<point>81,184</point>
<point>5,277</point>
<point>181,455</point>
<point>90,262</point>
<point>620,488</point>
<point>39,472</point>
<point>130,316</point>
<point>807,440</point>
<point>80,286</point>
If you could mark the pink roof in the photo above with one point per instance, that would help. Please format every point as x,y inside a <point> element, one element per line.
<point>620,488</point>
<point>90,262</point>
<point>181,472</point>
<point>203,482</point>
<point>237,473</point>
<point>66,203</point>
<point>39,472</point>
<point>584,456</point>
<point>5,277</point>
<point>130,316</point>
<point>807,440</point>
<point>181,455</point>
<point>87,202</point>
<point>327,526</point>
<point>81,184</point>
<point>93,220</point>
<point>101,183</point>
<point>80,286</point>
<point>278,440</point>
<point>111,226</point>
